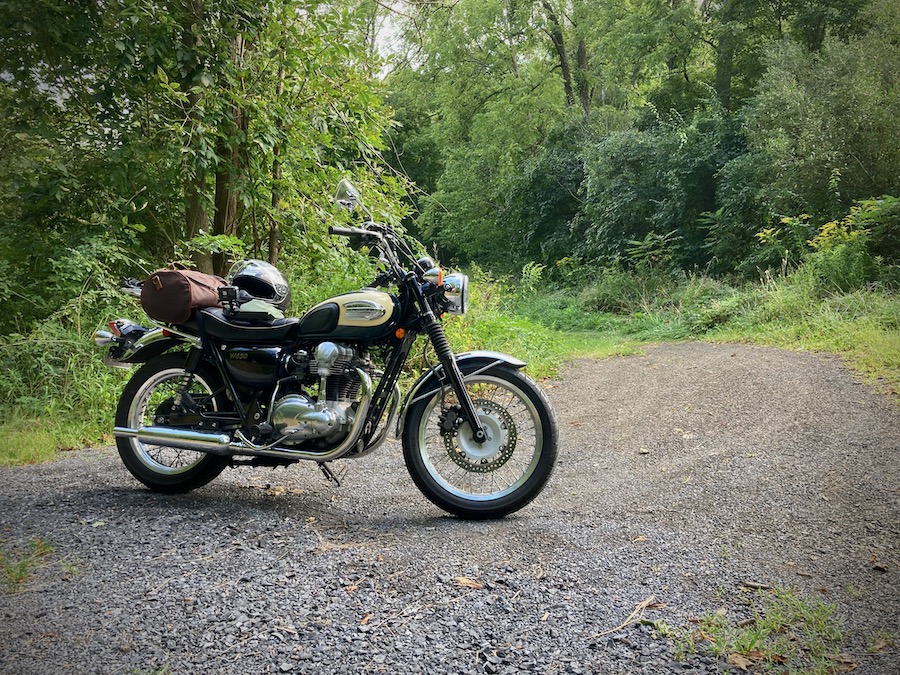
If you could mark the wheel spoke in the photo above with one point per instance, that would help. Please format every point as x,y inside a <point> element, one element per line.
<point>492,469</point>
<point>155,398</point>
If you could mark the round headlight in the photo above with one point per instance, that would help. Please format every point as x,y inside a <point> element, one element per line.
<point>456,289</point>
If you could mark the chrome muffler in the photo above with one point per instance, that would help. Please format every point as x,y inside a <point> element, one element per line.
<point>186,439</point>
<point>222,444</point>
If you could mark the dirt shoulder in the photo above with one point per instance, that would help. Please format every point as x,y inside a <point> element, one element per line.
<point>685,473</point>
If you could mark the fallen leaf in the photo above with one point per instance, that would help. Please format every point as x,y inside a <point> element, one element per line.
<point>722,611</point>
<point>739,661</point>
<point>880,645</point>
<point>756,655</point>
<point>98,523</point>
<point>841,658</point>
<point>639,538</point>
<point>878,566</point>
<point>365,619</point>
<point>468,582</point>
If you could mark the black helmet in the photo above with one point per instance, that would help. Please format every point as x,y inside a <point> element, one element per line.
<point>261,280</point>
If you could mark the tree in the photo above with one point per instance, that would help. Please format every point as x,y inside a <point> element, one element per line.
<point>175,129</point>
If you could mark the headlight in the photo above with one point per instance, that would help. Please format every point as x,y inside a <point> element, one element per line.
<point>456,290</point>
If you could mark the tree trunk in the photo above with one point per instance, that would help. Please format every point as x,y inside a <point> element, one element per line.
<point>559,44</point>
<point>725,49</point>
<point>225,215</point>
<point>196,218</point>
<point>274,232</point>
<point>581,78</point>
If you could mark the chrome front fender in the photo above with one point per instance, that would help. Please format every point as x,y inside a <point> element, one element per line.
<point>433,379</point>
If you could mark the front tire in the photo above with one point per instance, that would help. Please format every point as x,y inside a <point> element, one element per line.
<point>151,390</point>
<point>495,478</point>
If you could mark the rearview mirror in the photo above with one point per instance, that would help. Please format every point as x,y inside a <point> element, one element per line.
<point>347,195</point>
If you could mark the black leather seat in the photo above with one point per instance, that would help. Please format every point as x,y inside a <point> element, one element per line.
<point>231,329</point>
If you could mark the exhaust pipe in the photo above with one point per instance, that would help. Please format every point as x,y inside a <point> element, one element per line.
<point>217,444</point>
<point>222,444</point>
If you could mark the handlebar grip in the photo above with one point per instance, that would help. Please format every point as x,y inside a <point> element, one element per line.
<point>345,231</point>
<point>354,232</point>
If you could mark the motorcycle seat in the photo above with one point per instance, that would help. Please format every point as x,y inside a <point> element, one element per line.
<point>218,325</point>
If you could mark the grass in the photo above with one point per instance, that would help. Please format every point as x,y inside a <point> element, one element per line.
<point>29,440</point>
<point>787,633</point>
<point>791,312</point>
<point>58,395</point>
<point>17,566</point>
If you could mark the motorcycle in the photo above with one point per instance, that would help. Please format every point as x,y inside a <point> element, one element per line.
<point>237,384</point>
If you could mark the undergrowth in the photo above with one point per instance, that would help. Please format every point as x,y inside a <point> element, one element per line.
<point>57,394</point>
<point>793,310</point>
<point>787,632</point>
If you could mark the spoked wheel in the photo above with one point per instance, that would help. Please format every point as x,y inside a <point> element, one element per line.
<point>149,397</point>
<point>490,479</point>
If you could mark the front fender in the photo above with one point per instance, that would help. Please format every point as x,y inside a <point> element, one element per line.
<point>470,364</point>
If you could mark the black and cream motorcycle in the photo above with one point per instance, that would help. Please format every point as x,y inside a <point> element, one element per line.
<point>235,385</point>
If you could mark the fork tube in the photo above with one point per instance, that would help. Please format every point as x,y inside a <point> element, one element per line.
<point>445,355</point>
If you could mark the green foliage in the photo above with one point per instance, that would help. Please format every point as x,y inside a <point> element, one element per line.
<point>17,565</point>
<point>788,631</point>
<point>576,128</point>
<point>624,149</point>
<point>654,185</point>
<point>825,122</point>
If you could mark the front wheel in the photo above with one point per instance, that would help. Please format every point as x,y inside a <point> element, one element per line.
<point>490,479</point>
<point>151,395</point>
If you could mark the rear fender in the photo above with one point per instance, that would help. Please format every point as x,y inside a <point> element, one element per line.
<point>131,348</point>
<point>470,364</point>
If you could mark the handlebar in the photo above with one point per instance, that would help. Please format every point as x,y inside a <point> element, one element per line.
<point>353,232</point>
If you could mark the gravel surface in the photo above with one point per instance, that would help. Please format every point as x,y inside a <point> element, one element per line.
<point>690,474</point>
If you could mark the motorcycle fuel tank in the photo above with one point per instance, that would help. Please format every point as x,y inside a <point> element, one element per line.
<point>359,315</point>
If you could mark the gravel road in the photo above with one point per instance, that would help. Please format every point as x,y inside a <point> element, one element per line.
<point>691,473</point>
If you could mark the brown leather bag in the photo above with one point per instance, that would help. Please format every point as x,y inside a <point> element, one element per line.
<point>171,295</point>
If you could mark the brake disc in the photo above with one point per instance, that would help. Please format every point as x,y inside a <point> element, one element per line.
<point>489,456</point>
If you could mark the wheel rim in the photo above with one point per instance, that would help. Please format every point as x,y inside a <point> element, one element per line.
<point>496,468</point>
<point>153,394</point>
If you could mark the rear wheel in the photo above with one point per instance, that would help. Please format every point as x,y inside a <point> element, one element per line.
<point>151,394</point>
<point>494,478</point>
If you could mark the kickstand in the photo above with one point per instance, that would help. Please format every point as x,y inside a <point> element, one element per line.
<point>330,475</point>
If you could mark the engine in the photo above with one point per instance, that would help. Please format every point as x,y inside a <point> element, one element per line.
<point>301,417</point>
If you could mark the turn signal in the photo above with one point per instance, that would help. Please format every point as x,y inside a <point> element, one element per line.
<point>434,276</point>
<point>400,333</point>
<point>102,337</point>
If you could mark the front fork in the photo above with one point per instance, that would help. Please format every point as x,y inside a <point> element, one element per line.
<point>453,375</point>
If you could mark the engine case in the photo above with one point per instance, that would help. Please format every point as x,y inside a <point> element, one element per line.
<point>301,418</point>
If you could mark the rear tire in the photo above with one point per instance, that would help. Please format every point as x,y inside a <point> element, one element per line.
<point>497,477</point>
<point>164,469</point>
